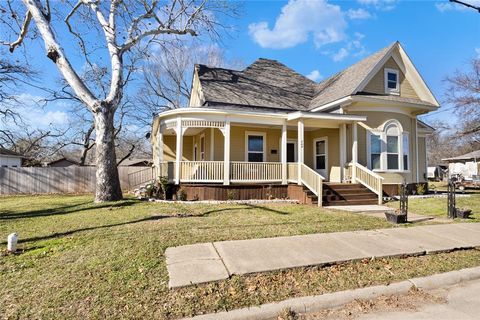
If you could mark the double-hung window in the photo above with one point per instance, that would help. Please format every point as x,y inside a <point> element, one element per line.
<point>392,152</point>
<point>375,151</point>
<point>405,152</point>
<point>255,146</point>
<point>392,85</point>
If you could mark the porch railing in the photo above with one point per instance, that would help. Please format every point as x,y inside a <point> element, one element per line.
<point>205,171</point>
<point>368,178</point>
<point>255,171</point>
<point>137,178</point>
<point>165,169</point>
<point>292,172</point>
<point>312,180</point>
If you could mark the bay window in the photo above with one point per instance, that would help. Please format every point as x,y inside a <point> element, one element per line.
<point>388,149</point>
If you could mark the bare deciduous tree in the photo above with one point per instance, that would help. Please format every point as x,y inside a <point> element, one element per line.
<point>11,75</point>
<point>463,92</point>
<point>167,76</point>
<point>126,26</point>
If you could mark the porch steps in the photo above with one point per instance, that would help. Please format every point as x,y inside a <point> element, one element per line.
<point>343,194</point>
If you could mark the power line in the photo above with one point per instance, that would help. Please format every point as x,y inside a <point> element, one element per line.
<point>439,111</point>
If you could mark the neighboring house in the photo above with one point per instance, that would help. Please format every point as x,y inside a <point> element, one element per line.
<point>10,158</point>
<point>468,165</point>
<point>269,127</point>
<point>62,162</point>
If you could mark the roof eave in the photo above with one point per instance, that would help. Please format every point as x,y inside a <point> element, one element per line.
<point>339,102</point>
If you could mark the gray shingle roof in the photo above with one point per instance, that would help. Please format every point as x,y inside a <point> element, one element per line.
<point>270,84</point>
<point>467,156</point>
<point>6,152</point>
<point>265,83</point>
<point>346,81</point>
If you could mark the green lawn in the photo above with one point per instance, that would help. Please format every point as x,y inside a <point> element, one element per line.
<point>437,207</point>
<point>84,260</point>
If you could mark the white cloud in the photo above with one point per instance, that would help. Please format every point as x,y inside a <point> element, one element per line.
<point>353,47</point>
<point>477,50</point>
<point>299,20</point>
<point>384,5</point>
<point>340,55</point>
<point>358,14</point>
<point>314,75</point>
<point>449,6</point>
<point>32,112</point>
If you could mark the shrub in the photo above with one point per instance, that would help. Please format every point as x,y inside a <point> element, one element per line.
<point>182,195</point>
<point>231,195</point>
<point>420,188</point>
<point>163,182</point>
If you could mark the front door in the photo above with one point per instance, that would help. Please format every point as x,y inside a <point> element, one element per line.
<point>320,158</point>
<point>291,152</point>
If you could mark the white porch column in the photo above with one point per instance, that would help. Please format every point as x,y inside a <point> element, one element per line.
<point>159,151</point>
<point>301,148</point>
<point>284,152</point>
<point>343,150</point>
<point>212,144</point>
<point>178,150</point>
<point>226,153</point>
<point>417,173</point>
<point>354,151</point>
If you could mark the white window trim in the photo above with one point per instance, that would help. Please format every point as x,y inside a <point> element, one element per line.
<point>294,141</point>
<point>255,133</point>
<point>383,154</point>
<point>395,91</point>
<point>315,154</point>
<point>295,152</point>
<point>369,149</point>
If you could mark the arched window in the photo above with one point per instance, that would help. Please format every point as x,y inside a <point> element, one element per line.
<point>388,148</point>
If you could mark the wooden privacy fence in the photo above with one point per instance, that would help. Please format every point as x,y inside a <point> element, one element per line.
<point>38,180</point>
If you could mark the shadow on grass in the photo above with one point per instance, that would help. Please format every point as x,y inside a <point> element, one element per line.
<point>64,210</point>
<point>151,218</point>
<point>252,206</point>
<point>71,208</point>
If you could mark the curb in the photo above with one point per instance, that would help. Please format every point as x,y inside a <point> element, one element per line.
<point>311,304</point>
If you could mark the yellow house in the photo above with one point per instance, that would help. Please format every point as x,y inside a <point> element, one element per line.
<point>269,131</point>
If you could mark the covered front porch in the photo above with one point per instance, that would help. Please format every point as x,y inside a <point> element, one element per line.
<point>210,146</point>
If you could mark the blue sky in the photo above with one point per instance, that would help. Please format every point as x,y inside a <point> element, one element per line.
<point>439,36</point>
<point>319,38</point>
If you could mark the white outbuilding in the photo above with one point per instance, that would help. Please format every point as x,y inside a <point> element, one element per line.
<point>468,165</point>
<point>10,158</point>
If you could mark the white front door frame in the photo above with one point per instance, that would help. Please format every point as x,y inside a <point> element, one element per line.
<point>295,153</point>
<point>323,172</point>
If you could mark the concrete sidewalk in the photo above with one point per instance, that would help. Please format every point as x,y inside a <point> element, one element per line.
<point>378,211</point>
<point>207,262</point>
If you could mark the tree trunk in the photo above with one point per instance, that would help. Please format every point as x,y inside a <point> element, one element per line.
<point>108,182</point>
